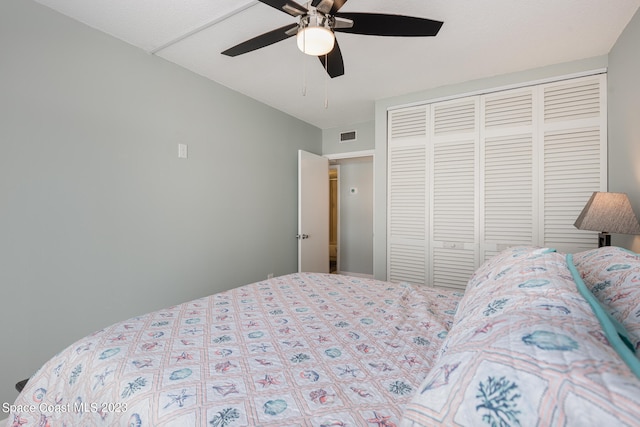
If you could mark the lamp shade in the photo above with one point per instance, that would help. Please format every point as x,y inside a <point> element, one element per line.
<point>610,213</point>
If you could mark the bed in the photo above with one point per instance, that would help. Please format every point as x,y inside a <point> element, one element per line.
<point>529,343</point>
<point>297,350</point>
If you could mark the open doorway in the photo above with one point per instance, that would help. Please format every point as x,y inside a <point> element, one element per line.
<point>351,216</point>
<point>334,195</point>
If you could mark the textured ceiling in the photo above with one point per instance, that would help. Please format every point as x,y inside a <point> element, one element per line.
<point>478,39</point>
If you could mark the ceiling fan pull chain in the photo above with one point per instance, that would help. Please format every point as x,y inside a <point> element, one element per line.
<point>304,67</point>
<point>326,82</point>
<point>304,76</point>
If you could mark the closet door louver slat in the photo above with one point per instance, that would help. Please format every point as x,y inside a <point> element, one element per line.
<point>508,190</point>
<point>408,263</point>
<point>453,193</point>
<point>507,171</point>
<point>573,153</point>
<point>407,192</point>
<point>454,118</point>
<point>570,177</point>
<point>406,205</point>
<point>508,110</point>
<point>453,267</point>
<point>572,100</point>
<point>407,123</point>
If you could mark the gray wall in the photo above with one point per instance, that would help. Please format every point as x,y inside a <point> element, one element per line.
<point>99,219</point>
<point>476,86</point>
<point>365,138</point>
<point>624,121</point>
<point>356,216</point>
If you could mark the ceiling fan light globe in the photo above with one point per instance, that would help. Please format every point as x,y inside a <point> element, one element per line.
<point>316,41</point>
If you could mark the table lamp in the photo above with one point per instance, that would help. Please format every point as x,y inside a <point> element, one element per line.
<point>608,213</point>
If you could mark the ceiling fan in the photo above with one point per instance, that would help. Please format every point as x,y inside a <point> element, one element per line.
<point>320,19</point>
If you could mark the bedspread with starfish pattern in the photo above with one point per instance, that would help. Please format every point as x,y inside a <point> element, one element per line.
<point>297,350</point>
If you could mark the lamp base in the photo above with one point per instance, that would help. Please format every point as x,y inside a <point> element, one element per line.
<point>604,239</point>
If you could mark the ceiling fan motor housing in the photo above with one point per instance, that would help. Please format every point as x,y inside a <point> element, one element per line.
<point>315,35</point>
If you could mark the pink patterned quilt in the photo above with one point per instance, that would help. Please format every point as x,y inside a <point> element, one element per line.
<point>297,350</point>
<point>526,349</point>
<point>612,274</point>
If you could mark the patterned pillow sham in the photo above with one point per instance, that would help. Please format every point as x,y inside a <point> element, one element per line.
<point>497,267</point>
<point>612,274</point>
<point>526,349</point>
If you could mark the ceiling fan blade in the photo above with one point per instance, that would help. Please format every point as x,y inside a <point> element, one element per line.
<point>323,6</point>
<point>379,24</point>
<point>339,22</point>
<point>337,4</point>
<point>329,7</point>
<point>287,6</point>
<point>332,61</point>
<point>262,40</point>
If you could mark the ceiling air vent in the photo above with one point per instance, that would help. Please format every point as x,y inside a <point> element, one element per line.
<point>347,136</point>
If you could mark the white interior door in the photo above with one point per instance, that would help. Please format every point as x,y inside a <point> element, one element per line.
<point>313,213</point>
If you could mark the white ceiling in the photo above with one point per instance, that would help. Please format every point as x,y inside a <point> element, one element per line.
<point>478,39</point>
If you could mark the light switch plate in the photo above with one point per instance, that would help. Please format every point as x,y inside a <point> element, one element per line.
<point>182,151</point>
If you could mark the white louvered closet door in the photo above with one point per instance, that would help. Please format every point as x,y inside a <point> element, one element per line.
<point>472,176</point>
<point>453,192</point>
<point>574,157</point>
<point>507,171</point>
<point>406,206</point>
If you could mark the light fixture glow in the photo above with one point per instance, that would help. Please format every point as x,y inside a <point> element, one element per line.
<point>315,40</point>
